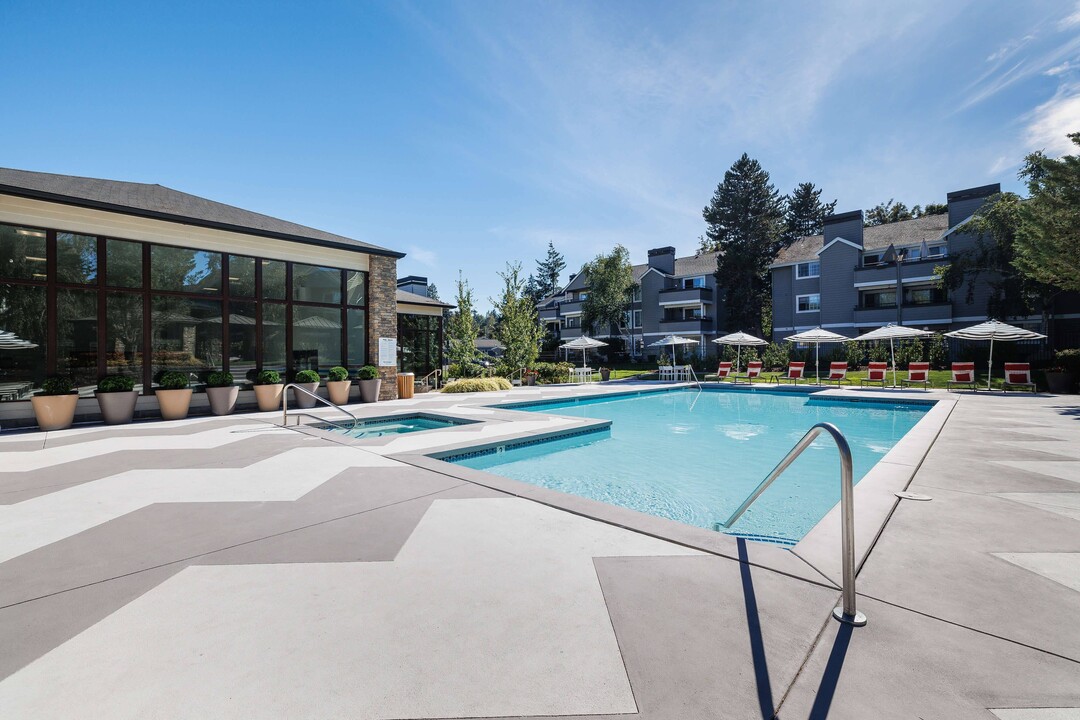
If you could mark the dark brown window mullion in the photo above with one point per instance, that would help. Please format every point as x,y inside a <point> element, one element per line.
<point>344,320</point>
<point>50,302</point>
<point>259,299</point>
<point>147,341</point>
<point>226,290</point>
<point>102,310</point>
<point>288,321</point>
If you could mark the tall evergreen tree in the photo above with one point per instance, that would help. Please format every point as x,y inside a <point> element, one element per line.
<point>1048,240</point>
<point>744,221</point>
<point>549,270</point>
<point>519,330</point>
<point>532,290</point>
<point>805,213</point>
<point>463,330</point>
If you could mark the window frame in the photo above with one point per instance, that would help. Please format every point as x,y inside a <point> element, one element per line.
<point>807,265</point>
<point>798,298</point>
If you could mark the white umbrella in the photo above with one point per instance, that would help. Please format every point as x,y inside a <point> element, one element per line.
<point>994,330</point>
<point>673,340</point>
<point>817,336</point>
<point>584,344</point>
<point>892,332</point>
<point>739,339</point>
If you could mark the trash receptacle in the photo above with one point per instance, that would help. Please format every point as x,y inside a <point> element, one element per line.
<point>405,385</point>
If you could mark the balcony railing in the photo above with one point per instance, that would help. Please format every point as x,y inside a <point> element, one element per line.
<point>687,296</point>
<point>688,325</point>
<point>887,273</point>
<point>570,307</point>
<point>910,314</point>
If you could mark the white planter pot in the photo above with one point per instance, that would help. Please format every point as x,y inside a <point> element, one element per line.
<point>54,412</point>
<point>369,389</point>
<point>301,399</point>
<point>269,396</point>
<point>222,399</point>
<point>117,408</point>
<point>339,391</point>
<point>174,404</point>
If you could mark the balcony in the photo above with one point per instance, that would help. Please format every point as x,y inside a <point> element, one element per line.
<point>912,314</point>
<point>568,333</point>
<point>569,308</point>
<point>691,325</point>
<point>886,274</point>
<point>548,314</point>
<point>685,296</point>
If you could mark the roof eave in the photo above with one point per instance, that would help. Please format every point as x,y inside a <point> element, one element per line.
<point>185,220</point>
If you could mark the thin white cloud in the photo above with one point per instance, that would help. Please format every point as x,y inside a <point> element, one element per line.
<point>422,256</point>
<point>1059,69</point>
<point>1051,122</point>
<point>1071,20</point>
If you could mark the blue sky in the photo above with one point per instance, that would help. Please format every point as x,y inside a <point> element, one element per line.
<point>470,134</point>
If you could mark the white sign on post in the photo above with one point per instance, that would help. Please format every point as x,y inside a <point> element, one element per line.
<point>387,352</point>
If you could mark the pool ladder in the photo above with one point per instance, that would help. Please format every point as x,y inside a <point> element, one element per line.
<point>285,414</point>
<point>846,612</point>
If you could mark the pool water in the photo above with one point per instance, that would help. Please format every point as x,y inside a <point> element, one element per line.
<point>694,456</point>
<point>395,426</point>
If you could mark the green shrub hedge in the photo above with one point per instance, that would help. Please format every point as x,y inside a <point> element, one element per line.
<point>547,373</point>
<point>468,385</point>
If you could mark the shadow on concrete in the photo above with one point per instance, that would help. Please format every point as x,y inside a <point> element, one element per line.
<point>757,644</point>
<point>1066,410</point>
<point>827,686</point>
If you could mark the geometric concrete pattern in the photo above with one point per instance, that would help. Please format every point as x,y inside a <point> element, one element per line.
<point>227,568</point>
<point>492,608</point>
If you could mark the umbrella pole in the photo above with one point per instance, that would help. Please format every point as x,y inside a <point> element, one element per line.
<point>892,354</point>
<point>817,357</point>
<point>990,363</point>
<point>738,358</point>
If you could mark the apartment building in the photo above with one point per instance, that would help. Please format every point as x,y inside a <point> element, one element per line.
<point>674,295</point>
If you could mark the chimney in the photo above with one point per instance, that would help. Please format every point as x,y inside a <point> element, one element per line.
<point>962,203</point>
<point>414,284</point>
<point>663,259</point>
<point>848,226</point>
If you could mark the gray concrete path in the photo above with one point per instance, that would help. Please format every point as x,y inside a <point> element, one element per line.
<point>226,568</point>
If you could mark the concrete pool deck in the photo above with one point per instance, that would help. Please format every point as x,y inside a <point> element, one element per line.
<point>225,567</point>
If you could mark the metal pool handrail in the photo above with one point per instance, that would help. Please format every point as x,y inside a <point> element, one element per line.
<point>324,401</point>
<point>846,612</point>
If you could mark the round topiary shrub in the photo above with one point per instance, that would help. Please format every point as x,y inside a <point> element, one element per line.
<point>307,376</point>
<point>219,378</point>
<point>368,372</point>
<point>173,380</point>
<point>116,383</point>
<point>268,377</point>
<point>58,385</point>
<point>337,374</point>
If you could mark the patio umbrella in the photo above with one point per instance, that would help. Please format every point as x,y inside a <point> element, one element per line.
<point>817,336</point>
<point>994,330</point>
<point>584,344</point>
<point>673,340</point>
<point>892,332</point>
<point>739,339</point>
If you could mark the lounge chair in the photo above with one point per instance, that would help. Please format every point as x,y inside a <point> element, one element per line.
<point>796,371</point>
<point>875,375</point>
<point>963,375</point>
<point>838,373</point>
<point>1018,375</point>
<point>723,372</point>
<point>753,370</point>
<point>918,373</point>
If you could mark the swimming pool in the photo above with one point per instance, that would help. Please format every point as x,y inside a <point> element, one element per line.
<point>693,456</point>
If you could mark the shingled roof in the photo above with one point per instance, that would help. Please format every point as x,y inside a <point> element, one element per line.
<point>877,237</point>
<point>690,266</point>
<point>162,203</point>
<point>404,297</point>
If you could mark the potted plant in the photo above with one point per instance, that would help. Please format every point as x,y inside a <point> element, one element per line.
<point>369,382</point>
<point>530,377</point>
<point>309,380</point>
<point>221,392</point>
<point>605,374</point>
<point>268,388</point>
<point>116,396</point>
<point>173,395</point>
<point>338,385</point>
<point>1061,377</point>
<point>54,405</point>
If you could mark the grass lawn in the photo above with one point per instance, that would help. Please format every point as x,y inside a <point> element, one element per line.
<point>938,379</point>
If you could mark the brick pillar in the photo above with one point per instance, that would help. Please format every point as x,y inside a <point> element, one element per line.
<point>382,316</point>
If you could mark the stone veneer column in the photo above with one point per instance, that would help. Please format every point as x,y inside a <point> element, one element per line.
<point>382,316</point>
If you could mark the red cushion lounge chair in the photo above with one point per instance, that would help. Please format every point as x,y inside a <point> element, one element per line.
<point>837,373</point>
<point>723,372</point>
<point>753,370</point>
<point>963,375</point>
<point>1018,375</point>
<point>876,374</point>
<point>795,372</point>
<point>918,373</point>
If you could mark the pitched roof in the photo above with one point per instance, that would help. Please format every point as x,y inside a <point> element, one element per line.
<point>407,298</point>
<point>162,203</point>
<point>877,237</point>
<point>690,266</point>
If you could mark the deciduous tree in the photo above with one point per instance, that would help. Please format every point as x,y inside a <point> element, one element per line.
<point>519,331</point>
<point>462,330</point>
<point>611,282</point>
<point>1048,238</point>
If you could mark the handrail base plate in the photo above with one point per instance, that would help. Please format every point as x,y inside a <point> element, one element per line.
<point>858,619</point>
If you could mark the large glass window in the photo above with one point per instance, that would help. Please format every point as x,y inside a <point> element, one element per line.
<point>241,276</point>
<point>273,336</point>
<point>185,270</point>
<point>124,264</point>
<point>76,258</point>
<point>316,284</point>
<point>357,337</point>
<point>124,334</point>
<point>273,279</point>
<point>186,335</point>
<point>77,337</point>
<point>316,337</point>
<point>22,253</point>
<point>22,340</point>
<point>243,346</point>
